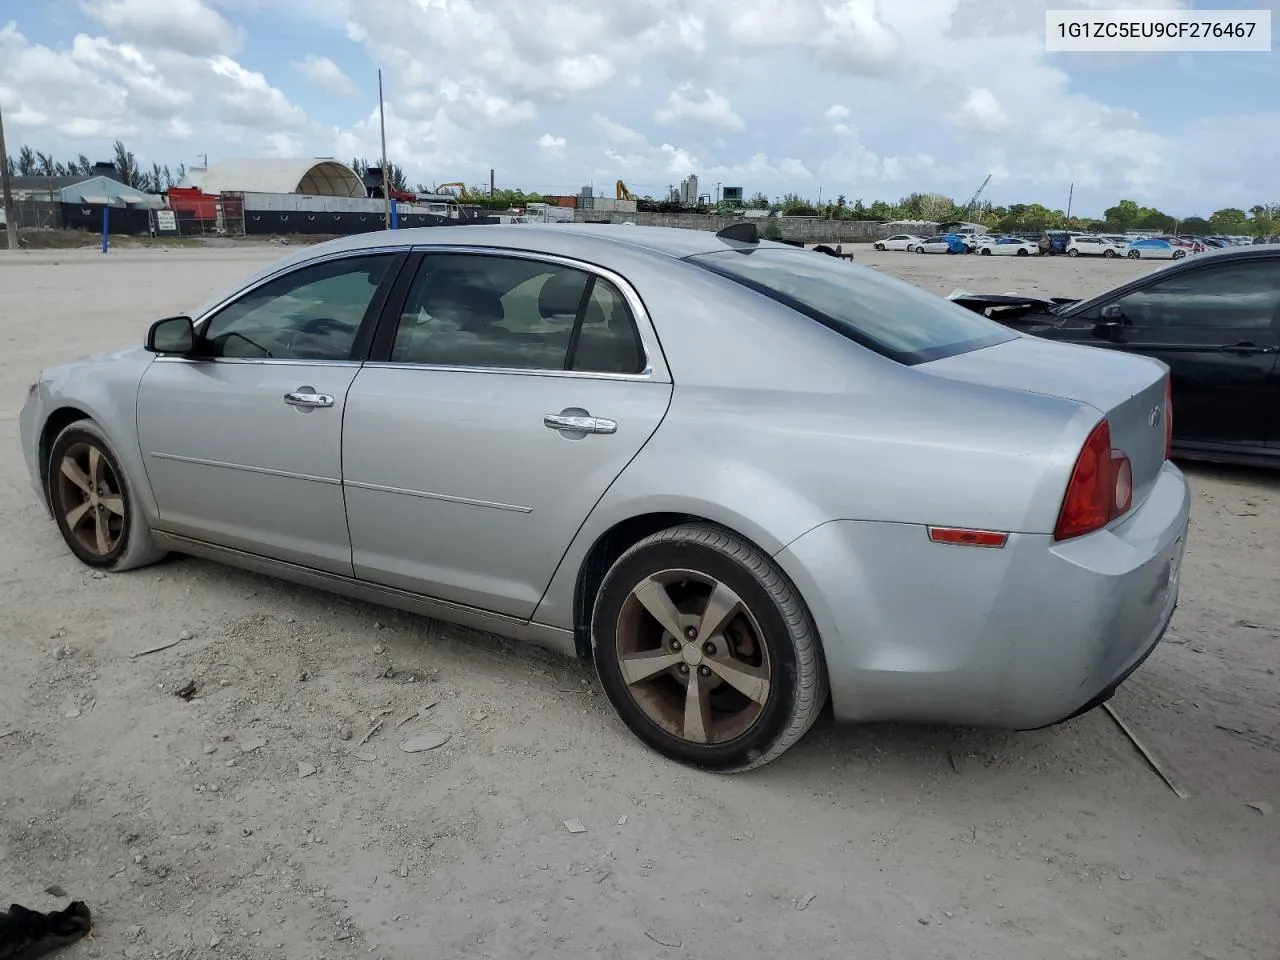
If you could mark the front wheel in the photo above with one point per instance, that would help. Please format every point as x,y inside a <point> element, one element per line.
<point>1179,254</point>
<point>94,504</point>
<point>1022,253</point>
<point>1108,254</point>
<point>706,651</point>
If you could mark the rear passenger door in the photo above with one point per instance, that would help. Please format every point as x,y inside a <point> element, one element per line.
<point>505,393</point>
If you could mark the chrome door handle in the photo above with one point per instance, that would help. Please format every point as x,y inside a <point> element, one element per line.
<point>558,421</point>
<point>308,399</point>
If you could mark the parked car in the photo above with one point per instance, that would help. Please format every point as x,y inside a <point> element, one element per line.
<point>733,473</point>
<point>942,243</point>
<point>1155,248</point>
<point>1213,319</point>
<point>1095,247</point>
<point>1010,247</point>
<point>901,241</point>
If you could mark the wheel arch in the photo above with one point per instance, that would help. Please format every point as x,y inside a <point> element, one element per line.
<point>57,421</point>
<point>615,541</point>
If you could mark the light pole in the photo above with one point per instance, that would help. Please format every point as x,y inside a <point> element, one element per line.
<point>10,215</point>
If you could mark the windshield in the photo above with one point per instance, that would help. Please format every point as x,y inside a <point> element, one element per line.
<point>887,315</point>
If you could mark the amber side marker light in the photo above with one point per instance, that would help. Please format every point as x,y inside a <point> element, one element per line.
<point>961,537</point>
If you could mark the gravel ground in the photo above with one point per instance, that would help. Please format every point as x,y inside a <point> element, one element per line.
<point>240,824</point>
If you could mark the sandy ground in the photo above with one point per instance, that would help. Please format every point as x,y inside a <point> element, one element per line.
<point>192,831</point>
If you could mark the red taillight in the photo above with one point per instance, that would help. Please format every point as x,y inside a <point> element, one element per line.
<point>1101,487</point>
<point>1168,418</point>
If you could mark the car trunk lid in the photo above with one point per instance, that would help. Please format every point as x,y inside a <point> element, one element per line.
<point>1128,390</point>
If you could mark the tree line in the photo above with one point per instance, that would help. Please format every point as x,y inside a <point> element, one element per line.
<point>1261,219</point>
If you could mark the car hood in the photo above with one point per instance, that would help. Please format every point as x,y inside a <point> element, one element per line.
<point>125,357</point>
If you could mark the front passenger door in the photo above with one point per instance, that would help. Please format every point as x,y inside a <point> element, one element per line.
<point>242,441</point>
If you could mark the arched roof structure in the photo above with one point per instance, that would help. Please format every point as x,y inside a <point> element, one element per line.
<point>315,177</point>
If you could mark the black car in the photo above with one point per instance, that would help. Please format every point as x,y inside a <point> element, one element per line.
<point>1213,318</point>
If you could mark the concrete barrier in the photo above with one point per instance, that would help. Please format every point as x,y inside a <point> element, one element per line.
<point>810,230</point>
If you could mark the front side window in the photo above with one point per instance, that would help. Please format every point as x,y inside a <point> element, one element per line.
<point>1234,296</point>
<point>312,313</point>
<point>474,310</point>
<point>887,315</point>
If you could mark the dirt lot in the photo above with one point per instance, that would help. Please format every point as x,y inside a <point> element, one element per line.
<point>199,829</point>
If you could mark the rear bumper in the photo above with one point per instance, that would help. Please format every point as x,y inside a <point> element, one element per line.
<point>1018,637</point>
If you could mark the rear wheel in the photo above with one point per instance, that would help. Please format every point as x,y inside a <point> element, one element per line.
<point>1073,252</point>
<point>986,251</point>
<point>93,503</point>
<point>706,651</point>
<point>880,246</point>
<point>1135,254</point>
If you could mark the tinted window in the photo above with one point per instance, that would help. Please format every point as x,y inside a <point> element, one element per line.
<point>312,313</point>
<point>1234,296</point>
<point>468,310</point>
<point>888,315</point>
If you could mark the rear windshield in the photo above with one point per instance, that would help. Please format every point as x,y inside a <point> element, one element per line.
<point>887,315</point>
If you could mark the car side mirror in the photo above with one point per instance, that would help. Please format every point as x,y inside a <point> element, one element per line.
<point>175,335</point>
<point>1110,315</point>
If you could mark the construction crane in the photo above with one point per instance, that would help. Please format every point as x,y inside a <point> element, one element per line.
<point>973,201</point>
<point>622,192</point>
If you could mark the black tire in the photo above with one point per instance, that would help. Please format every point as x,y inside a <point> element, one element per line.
<point>129,541</point>
<point>1073,252</point>
<point>986,251</point>
<point>1022,253</point>
<point>797,688</point>
<point>1135,254</point>
<point>880,247</point>
<point>1108,254</point>
<point>1179,254</point>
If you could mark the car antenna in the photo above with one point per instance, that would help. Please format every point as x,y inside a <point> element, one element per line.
<point>744,232</point>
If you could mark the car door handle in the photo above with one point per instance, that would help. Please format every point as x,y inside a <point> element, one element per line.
<point>308,399</point>
<point>558,421</point>
<point>1245,346</point>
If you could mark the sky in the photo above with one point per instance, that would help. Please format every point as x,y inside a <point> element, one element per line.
<point>869,99</point>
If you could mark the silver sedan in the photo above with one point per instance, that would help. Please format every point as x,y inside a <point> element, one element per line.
<point>738,475</point>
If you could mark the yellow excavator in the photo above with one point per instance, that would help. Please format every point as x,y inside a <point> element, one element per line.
<point>461,187</point>
<point>623,193</point>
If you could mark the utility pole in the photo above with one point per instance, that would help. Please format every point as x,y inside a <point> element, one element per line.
<point>386,174</point>
<point>10,214</point>
<point>1070,194</point>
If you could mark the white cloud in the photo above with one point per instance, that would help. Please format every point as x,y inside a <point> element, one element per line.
<point>325,75</point>
<point>552,144</point>
<point>706,106</point>
<point>188,26</point>
<point>837,111</point>
<point>981,112</point>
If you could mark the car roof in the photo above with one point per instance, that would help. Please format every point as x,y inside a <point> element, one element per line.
<point>612,246</point>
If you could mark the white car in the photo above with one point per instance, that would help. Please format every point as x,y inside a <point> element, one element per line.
<point>900,241</point>
<point>1096,247</point>
<point>1010,247</point>
<point>940,244</point>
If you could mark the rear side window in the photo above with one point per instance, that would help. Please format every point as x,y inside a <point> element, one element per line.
<point>884,314</point>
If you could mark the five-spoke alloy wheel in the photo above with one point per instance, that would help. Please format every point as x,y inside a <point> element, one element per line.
<point>93,504</point>
<point>705,649</point>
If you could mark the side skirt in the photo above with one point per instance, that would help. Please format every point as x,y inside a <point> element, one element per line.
<point>553,638</point>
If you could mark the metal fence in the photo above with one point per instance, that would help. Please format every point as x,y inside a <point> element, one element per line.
<point>38,214</point>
